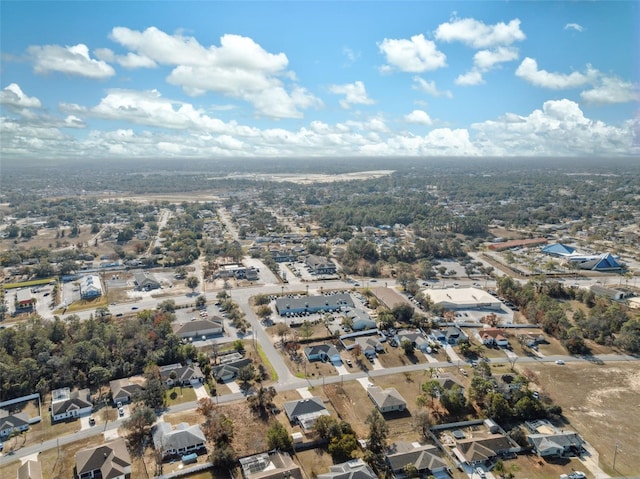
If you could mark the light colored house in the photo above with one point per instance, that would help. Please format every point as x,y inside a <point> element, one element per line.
<point>305,411</point>
<point>188,375</point>
<point>369,345</point>
<point>270,465</point>
<point>354,469</point>
<point>417,338</point>
<point>229,370</point>
<point>124,390</point>
<point>494,336</point>
<point>425,458</point>
<point>184,439</point>
<point>70,405</point>
<point>322,352</point>
<point>560,443</point>
<point>145,281</point>
<point>386,400</point>
<point>110,460</point>
<point>196,328</point>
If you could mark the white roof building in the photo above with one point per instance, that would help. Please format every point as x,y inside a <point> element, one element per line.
<point>463,298</point>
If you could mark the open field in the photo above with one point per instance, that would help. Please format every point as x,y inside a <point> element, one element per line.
<point>601,403</point>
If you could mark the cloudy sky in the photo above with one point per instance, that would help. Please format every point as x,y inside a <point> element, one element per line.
<point>351,78</point>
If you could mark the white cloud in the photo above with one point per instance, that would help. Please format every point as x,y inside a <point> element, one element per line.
<point>486,60</point>
<point>558,129</point>
<point>471,78</point>
<point>612,90</point>
<point>148,108</point>
<point>419,117</point>
<point>13,96</point>
<point>574,26</point>
<point>354,93</point>
<point>238,68</point>
<point>350,55</point>
<point>415,55</point>
<point>476,34</point>
<point>528,70</point>
<point>74,60</point>
<point>421,84</point>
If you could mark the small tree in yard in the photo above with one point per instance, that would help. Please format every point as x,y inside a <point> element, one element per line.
<point>262,401</point>
<point>264,311</point>
<point>408,347</point>
<point>218,429</point>
<point>201,301</point>
<point>138,426</point>
<point>278,437</point>
<point>192,282</point>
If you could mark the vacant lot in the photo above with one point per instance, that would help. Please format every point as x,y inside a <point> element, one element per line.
<point>601,403</point>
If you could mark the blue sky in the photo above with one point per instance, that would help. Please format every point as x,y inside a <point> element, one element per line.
<point>352,78</point>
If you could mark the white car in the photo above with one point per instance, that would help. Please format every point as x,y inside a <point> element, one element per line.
<point>560,361</point>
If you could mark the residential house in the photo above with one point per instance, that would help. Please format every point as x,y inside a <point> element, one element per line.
<point>70,405</point>
<point>178,441</point>
<point>108,461</point>
<point>179,375</point>
<point>476,450</point>
<point>90,287</point>
<point>228,371</point>
<point>438,335</point>
<point>13,423</point>
<point>447,383</point>
<point>305,411</point>
<point>369,345</point>
<point>30,470</point>
<point>425,458</point>
<point>322,352</point>
<point>124,390</point>
<point>196,328</point>
<point>386,400</point>
<point>557,444</point>
<point>454,335</point>
<point>354,469</point>
<point>145,281</point>
<point>271,465</point>
<point>417,338</point>
<point>320,265</point>
<point>494,337</point>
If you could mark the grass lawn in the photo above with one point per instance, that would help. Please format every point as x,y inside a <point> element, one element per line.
<point>179,395</point>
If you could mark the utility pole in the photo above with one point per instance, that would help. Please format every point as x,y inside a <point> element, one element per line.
<point>615,453</point>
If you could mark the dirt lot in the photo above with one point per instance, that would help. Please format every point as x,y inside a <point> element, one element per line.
<point>601,403</point>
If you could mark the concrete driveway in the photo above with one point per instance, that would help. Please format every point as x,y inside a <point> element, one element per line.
<point>201,391</point>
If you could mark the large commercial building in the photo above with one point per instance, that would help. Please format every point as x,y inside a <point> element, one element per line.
<point>463,298</point>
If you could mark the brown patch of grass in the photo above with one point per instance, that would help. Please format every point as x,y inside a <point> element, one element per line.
<point>599,401</point>
<point>314,461</point>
